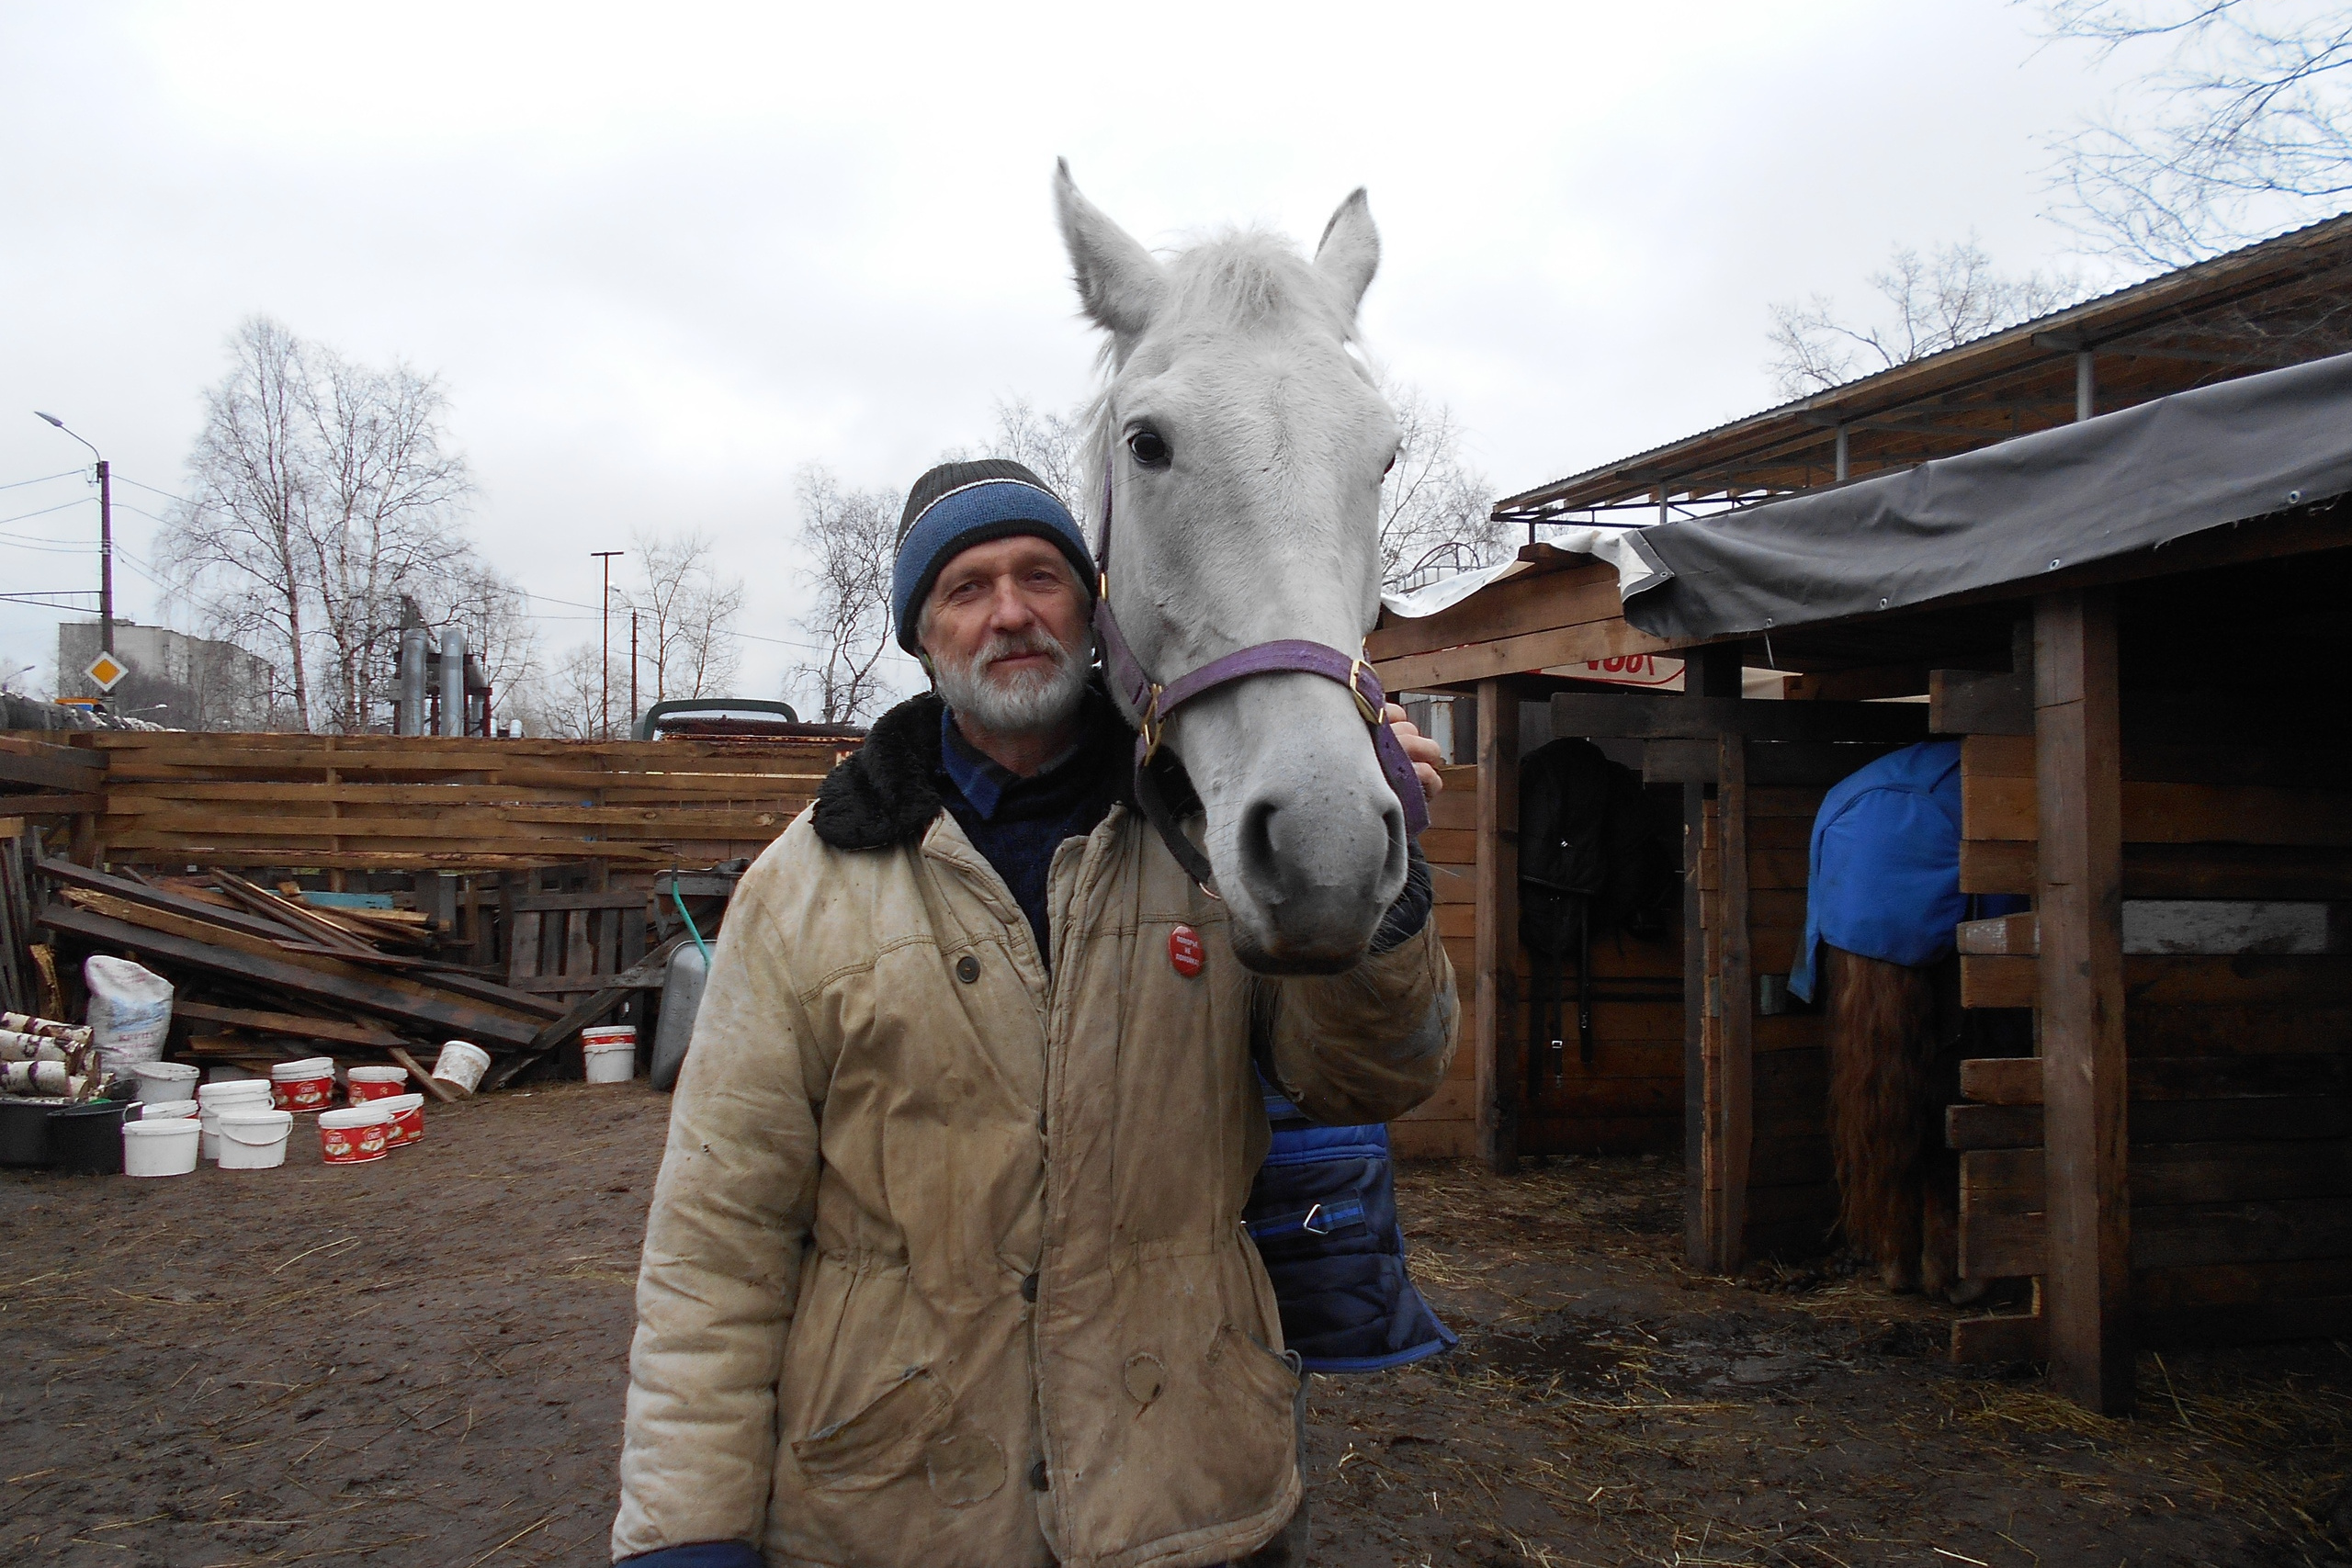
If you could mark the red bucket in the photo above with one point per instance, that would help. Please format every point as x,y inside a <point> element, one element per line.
<point>363,1084</point>
<point>354,1135</point>
<point>302,1086</point>
<point>407,1126</point>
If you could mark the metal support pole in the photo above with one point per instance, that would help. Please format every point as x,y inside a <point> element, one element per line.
<point>605,618</point>
<point>632,674</point>
<point>106,555</point>
<point>1842,466</point>
<point>2086,387</point>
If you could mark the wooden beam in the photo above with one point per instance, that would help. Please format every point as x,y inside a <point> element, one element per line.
<point>2079,789</point>
<point>1735,1003</point>
<point>1970,702</point>
<point>1611,639</point>
<point>1654,715</point>
<point>1709,672</point>
<point>1494,945</point>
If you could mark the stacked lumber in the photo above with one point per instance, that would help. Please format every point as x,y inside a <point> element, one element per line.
<point>260,976</point>
<point>2237,986</point>
<point>439,803</point>
<point>39,778</point>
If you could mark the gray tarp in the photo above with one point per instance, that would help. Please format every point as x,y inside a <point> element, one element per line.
<point>2128,481</point>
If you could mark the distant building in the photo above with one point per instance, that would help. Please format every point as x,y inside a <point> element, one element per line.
<point>177,680</point>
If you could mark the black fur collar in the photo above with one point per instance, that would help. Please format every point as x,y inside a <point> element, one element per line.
<point>887,791</point>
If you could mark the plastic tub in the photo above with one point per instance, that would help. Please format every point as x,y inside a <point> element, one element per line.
<point>86,1140</point>
<point>356,1134</point>
<point>461,1064</point>
<point>407,1126</point>
<point>24,1133</point>
<point>363,1084</point>
<point>253,1138</point>
<point>214,1099</point>
<point>307,1084</point>
<point>163,1145</point>
<point>167,1081</point>
<point>609,1053</point>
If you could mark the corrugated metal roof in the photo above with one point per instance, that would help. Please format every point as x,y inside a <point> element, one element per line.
<point>2283,300</point>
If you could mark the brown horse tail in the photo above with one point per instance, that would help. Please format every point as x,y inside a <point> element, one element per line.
<point>1881,1017</point>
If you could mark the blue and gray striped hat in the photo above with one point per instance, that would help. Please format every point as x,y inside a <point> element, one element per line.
<point>957,505</point>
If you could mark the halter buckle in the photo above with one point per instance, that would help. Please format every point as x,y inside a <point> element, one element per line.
<point>1356,671</point>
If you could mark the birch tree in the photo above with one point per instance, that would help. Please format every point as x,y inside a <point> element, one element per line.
<point>686,617</point>
<point>321,491</point>
<point>1931,302</point>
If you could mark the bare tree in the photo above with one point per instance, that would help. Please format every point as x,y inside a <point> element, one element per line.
<point>2243,127</point>
<point>1936,302</point>
<point>850,539</point>
<point>567,704</point>
<point>1436,511</point>
<point>1049,444</point>
<point>322,491</point>
<point>686,617</point>
<point>239,547</point>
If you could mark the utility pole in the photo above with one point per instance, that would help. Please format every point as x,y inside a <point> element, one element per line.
<point>604,615</point>
<point>106,535</point>
<point>632,674</point>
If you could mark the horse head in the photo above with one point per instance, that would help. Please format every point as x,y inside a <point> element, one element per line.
<point>1243,446</point>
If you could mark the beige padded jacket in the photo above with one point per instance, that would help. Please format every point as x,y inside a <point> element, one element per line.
<point>945,1264</point>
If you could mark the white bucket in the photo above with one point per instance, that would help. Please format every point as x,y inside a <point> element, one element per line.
<point>165,1147</point>
<point>609,1053</point>
<point>167,1081</point>
<point>214,1099</point>
<point>167,1109</point>
<point>461,1064</point>
<point>253,1138</point>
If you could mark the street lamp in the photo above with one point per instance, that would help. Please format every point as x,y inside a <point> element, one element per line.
<point>106,537</point>
<point>604,613</point>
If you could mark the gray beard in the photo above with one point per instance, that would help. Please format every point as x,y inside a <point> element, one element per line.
<point>1018,705</point>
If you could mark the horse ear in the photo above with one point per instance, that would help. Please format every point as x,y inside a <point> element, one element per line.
<point>1349,253</point>
<point>1118,281</point>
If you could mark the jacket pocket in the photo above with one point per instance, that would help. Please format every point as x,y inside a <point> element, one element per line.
<point>1240,1362</point>
<point>913,1422</point>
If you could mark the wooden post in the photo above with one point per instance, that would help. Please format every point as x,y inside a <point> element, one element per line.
<point>2079,790</point>
<point>1496,948</point>
<point>1732,999</point>
<point>1706,672</point>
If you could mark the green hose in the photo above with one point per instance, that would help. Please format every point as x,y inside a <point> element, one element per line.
<point>691,929</point>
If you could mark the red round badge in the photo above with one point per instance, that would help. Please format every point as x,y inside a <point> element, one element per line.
<point>1185,951</point>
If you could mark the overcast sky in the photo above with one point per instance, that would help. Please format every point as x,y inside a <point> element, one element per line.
<point>664,256</point>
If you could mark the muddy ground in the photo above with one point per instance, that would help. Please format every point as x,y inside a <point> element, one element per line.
<point>421,1362</point>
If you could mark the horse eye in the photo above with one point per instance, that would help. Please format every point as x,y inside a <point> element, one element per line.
<point>1149,449</point>
<point>1390,466</point>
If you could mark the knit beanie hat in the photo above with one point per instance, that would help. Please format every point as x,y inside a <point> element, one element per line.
<point>957,505</point>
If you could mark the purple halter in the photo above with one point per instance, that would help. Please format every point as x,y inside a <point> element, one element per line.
<point>1153,702</point>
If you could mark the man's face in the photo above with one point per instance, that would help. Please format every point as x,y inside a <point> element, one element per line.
<point>1006,628</point>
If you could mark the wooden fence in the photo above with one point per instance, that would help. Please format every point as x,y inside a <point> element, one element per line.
<point>379,802</point>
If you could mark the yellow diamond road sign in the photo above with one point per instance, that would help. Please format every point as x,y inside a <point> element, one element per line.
<point>106,671</point>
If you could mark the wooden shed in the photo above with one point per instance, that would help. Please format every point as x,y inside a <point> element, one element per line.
<point>2116,617</point>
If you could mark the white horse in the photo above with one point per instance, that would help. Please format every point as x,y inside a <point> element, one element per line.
<point>1244,447</point>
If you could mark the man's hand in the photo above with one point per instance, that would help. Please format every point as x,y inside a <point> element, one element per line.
<point>1425,752</point>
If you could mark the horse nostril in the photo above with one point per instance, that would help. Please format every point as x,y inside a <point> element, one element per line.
<point>1256,845</point>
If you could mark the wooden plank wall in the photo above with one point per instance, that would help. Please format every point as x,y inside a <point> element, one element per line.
<point>2239,1068</point>
<point>431,803</point>
<point>1446,1127</point>
<point>1790,1195</point>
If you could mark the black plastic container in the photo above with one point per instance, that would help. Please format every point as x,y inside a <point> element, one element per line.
<point>86,1140</point>
<point>23,1133</point>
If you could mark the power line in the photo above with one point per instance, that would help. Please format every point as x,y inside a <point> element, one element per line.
<point>21,516</point>
<point>19,484</point>
<point>151,490</point>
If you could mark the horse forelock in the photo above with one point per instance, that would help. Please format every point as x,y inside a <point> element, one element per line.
<point>1253,280</point>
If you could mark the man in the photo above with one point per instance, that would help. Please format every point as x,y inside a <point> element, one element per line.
<point>946,1265</point>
